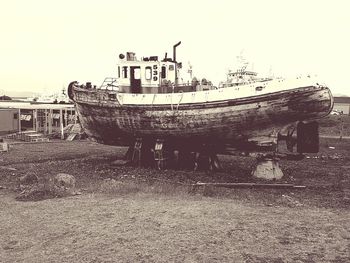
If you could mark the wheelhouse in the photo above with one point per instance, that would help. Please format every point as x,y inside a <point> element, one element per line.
<point>148,75</point>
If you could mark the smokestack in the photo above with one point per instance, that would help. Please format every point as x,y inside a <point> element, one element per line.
<point>174,51</point>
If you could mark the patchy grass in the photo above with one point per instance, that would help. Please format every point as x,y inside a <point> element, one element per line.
<point>334,124</point>
<point>128,214</point>
<point>160,228</point>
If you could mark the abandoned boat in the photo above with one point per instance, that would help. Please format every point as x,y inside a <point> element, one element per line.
<point>149,100</point>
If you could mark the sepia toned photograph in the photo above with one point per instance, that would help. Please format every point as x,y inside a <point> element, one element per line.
<point>174,131</point>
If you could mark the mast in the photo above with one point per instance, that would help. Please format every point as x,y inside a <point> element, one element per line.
<point>174,59</point>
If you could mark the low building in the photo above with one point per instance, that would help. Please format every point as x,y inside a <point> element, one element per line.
<point>42,118</point>
<point>342,105</point>
<point>9,121</point>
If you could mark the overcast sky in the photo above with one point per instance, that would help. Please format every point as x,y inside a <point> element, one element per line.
<point>47,44</point>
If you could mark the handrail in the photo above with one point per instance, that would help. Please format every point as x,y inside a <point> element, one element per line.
<point>177,108</point>
<point>109,82</point>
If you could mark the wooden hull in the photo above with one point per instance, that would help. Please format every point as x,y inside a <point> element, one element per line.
<point>106,119</point>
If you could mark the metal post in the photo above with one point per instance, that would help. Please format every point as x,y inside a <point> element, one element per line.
<point>71,114</point>
<point>341,128</point>
<point>50,121</point>
<point>61,124</point>
<point>37,123</point>
<point>34,119</point>
<point>19,120</point>
<point>45,127</point>
<point>65,117</point>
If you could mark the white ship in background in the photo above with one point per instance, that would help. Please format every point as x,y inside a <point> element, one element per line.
<point>49,98</point>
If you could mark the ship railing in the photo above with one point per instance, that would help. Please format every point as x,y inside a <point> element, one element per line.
<point>109,84</point>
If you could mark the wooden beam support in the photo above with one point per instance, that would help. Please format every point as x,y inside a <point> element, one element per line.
<point>33,119</point>
<point>37,122</point>
<point>61,124</point>
<point>65,117</point>
<point>247,185</point>
<point>19,120</point>
<point>50,121</point>
<point>45,125</point>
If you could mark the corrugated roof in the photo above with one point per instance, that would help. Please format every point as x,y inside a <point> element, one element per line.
<point>28,106</point>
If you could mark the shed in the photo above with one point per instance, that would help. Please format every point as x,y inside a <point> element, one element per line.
<point>342,104</point>
<point>9,121</point>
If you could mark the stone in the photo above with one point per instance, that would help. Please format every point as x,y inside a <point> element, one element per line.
<point>119,163</point>
<point>4,147</point>
<point>28,179</point>
<point>64,182</point>
<point>268,169</point>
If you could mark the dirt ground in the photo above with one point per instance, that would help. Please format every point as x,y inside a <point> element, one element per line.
<point>128,214</point>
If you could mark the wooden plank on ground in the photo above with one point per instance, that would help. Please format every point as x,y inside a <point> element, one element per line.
<point>71,137</point>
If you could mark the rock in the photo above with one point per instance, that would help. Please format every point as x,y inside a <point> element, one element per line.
<point>64,181</point>
<point>268,169</point>
<point>119,162</point>
<point>28,179</point>
<point>290,201</point>
<point>4,147</point>
<point>35,193</point>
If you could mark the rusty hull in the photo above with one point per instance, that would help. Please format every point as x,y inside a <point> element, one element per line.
<point>225,121</point>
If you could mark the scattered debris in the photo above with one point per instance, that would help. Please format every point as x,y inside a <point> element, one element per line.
<point>73,131</point>
<point>4,147</point>
<point>35,193</point>
<point>28,136</point>
<point>335,156</point>
<point>8,168</point>
<point>291,201</point>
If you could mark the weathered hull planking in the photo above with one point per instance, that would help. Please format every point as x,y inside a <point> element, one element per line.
<point>106,118</point>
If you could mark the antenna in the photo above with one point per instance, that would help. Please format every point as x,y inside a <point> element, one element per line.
<point>63,90</point>
<point>189,69</point>
<point>270,72</point>
<point>242,63</point>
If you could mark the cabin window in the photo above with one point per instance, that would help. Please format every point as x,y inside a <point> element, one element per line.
<point>137,73</point>
<point>171,67</point>
<point>112,96</point>
<point>148,73</point>
<point>125,72</point>
<point>163,74</point>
